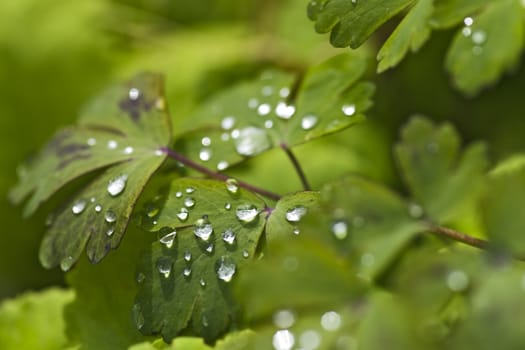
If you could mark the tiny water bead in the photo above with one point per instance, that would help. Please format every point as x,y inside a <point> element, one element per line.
<point>112,144</point>
<point>189,202</point>
<point>296,230</point>
<point>232,186</point>
<point>310,340</point>
<point>468,21</point>
<point>309,122</point>
<point>110,231</point>
<point>267,90</point>
<point>206,141</point>
<point>79,206</point>
<point>348,110</point>
<point>164,266</point>
<point>110,216</point>
<point>222,165</point>
<point>98,208</point>
<point>117,185</point>
<point>340,229</point>
<point>202,283</point>
<point>178,194</point>
<point>227,206</point>
<point>140,278</point>
<point>268,124</point>
<point>187,272</point>
<point>226,268</point>
<point>228,122</point>
<point>187,256</point>
<point>228,236</point>
<point>205,154</point>
<point>264,109</point>
<point>183,214</point>
<point>128,150</point>
<point>138,317</point>
<point>66,263</point>
<point>331,321</point>
<point>415,210</point>
<point>134,94</point>
<point>457,281</point>
<point>91,141</point>
<point>284,111</point>
<point>253,103</point>
<point>284,319</point>
<point>167,236</point>
<point>209,248</point>
<point>479,37</point>
<point>246,213</point>
<point>245,254</point>
<point>203,229</point>
<point>295,214</point>
<point>190,190</point>
<point>284,92</point>
<point>283,340</point>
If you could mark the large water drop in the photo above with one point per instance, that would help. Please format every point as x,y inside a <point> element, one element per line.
<point>226,269</point>
<point>246,213</point>
<point>117,185</point>
<point>79,206</point>
<point>203,229</point>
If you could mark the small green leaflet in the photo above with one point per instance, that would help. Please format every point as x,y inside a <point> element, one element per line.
<point>278,110</point>
<point>488,46</point>
<point>122,131</point>
<point>208,230</point>
<point>441,179</point>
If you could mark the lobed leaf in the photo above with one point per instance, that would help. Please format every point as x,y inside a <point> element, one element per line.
<point>208,231</point>
<point>257,116</point>
<point>441,179</point>
<point>123,131</point>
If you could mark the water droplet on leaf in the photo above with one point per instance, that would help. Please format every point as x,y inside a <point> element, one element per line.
<point>205,154</point>
<point>66,263</point>
<point>228,236</point>
<point>209,248</point>
<point>295,214</point>
<point>98,208</point>
<point>178,194</point>
<point>133,94</point>
<point>112,144</point>
<point>348,110</point>
<point>310,339</point>
<point>164,266</point>
<point>189,202</point>
<point>227,206</point>
<point>110,216</point>
<point>340,229</point>
<point>91,141</point>
<point>167,236</point>
<point>140,278</point>
<point>284,319</point>
<point>128,150</point>
<point>117,185</point>
<point>187,272</point>
<point>247,213</point>
<point>284,111</point>
<point>79,206</point>
<point>457,281</point>
<point>284,92</point>
<point>187,256</point>
<point>138,317</point>
<point>183,214</point>
<point>110,231</point>
<point>228,122</point>
<point>190,190</point>
<point>226,269</point>
<point>283,340</point>
<point>222,165</point>
<point>309,122</point>
<point>202,283</point>
<point>203,229</point>
<point>264,109</point>
<point>232,186</point>
<point>331,321</point>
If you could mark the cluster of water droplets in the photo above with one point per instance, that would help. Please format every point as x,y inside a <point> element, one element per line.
<point>478,37</point>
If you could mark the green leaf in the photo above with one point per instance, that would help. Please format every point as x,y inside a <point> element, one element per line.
<point>367,222</point>
<point>449,13</point>
<point>440,178</point>
<point>288,212</point>
<point>351,22</point>
<point>233,341</point>
<point>257,116</point>
<point>34,320</point>
<point>411,33</point>
<point>503,210</point>
<point>125,127</point>
<point>186,275</point>
<point>100,316</point>
<point>492,45</point>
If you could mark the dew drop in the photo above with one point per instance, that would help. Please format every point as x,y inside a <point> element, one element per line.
<point>92,199</point>
<point>205,141</point>
<point>296,231</point>
<point>331,321</point>
<point>415,210</point>
<point>340,229</point>
<point>284,319</point>
<point>457,281</point>
<point>133,94</point>
<point>66,263</point>
<point>235,133</point>
<point>246,213</point>
<point>91,141</point>
<point>210,248</point>
<point>203,229</point>
<point>187,272</point>
<point>178,194</point>
<point>164,266</point>
<point>202,283</point>
<point>227,206</point>
<point>253,103</point>
<point>187,256</point>
<point>168,235</point>
<point>252,141</point>
<point>284,111</point>
<point>138,317</point>
<point>226,269</point>
<point>284,92</point>
<point>295,214</point>
<point>468,21</point>
<point>479,37</point>
<point>348,110</point>
<point>232,186</point>
<point>268,124</point>
<point>283,340</point>
<point>225,136</point>
<point>267,90</point>
<point>110,216</point>
<point>190,190</point>
<point>128,150</point>
<point>222,165</point>
<point>79,206</point>
<point>264,109</point>
<point>112,144</point>
<point>205,154</point>
<point>189,202</point>
<point>228,122</point>
<point>140,278</point>
<point>228,236</point>
<point>245,254</point>
<point>110,231</point>
<point>117,185</point>
<point>183,214</point>
<point>159,152</point>
<point>98,208</point>
<point>466,31</point>
<point>309,122</point>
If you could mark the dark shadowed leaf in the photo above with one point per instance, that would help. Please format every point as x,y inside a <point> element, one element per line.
<point>207,231</point>
<point>272,111</point>
<point>126,126</point>
<point>441,178</point>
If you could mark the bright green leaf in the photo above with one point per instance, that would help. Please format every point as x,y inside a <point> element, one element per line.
<point>410,34</point>
<point>490,46</point>
<point>351,22</point>
<point>449,13</point>
<point>288,213</point>
<point>440,178</point>
<point>100,316</point>
<point>207,231</point>
<point>233,341</point>
<point>34,321</point>
<point>126,126</point>
<point>254,117</point>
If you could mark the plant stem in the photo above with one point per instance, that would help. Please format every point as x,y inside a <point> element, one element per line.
<point>458,236</point>
<point>297,166</point>
<point>216,175</point>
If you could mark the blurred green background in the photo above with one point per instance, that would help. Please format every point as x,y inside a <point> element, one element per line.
<point>56,54</point>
